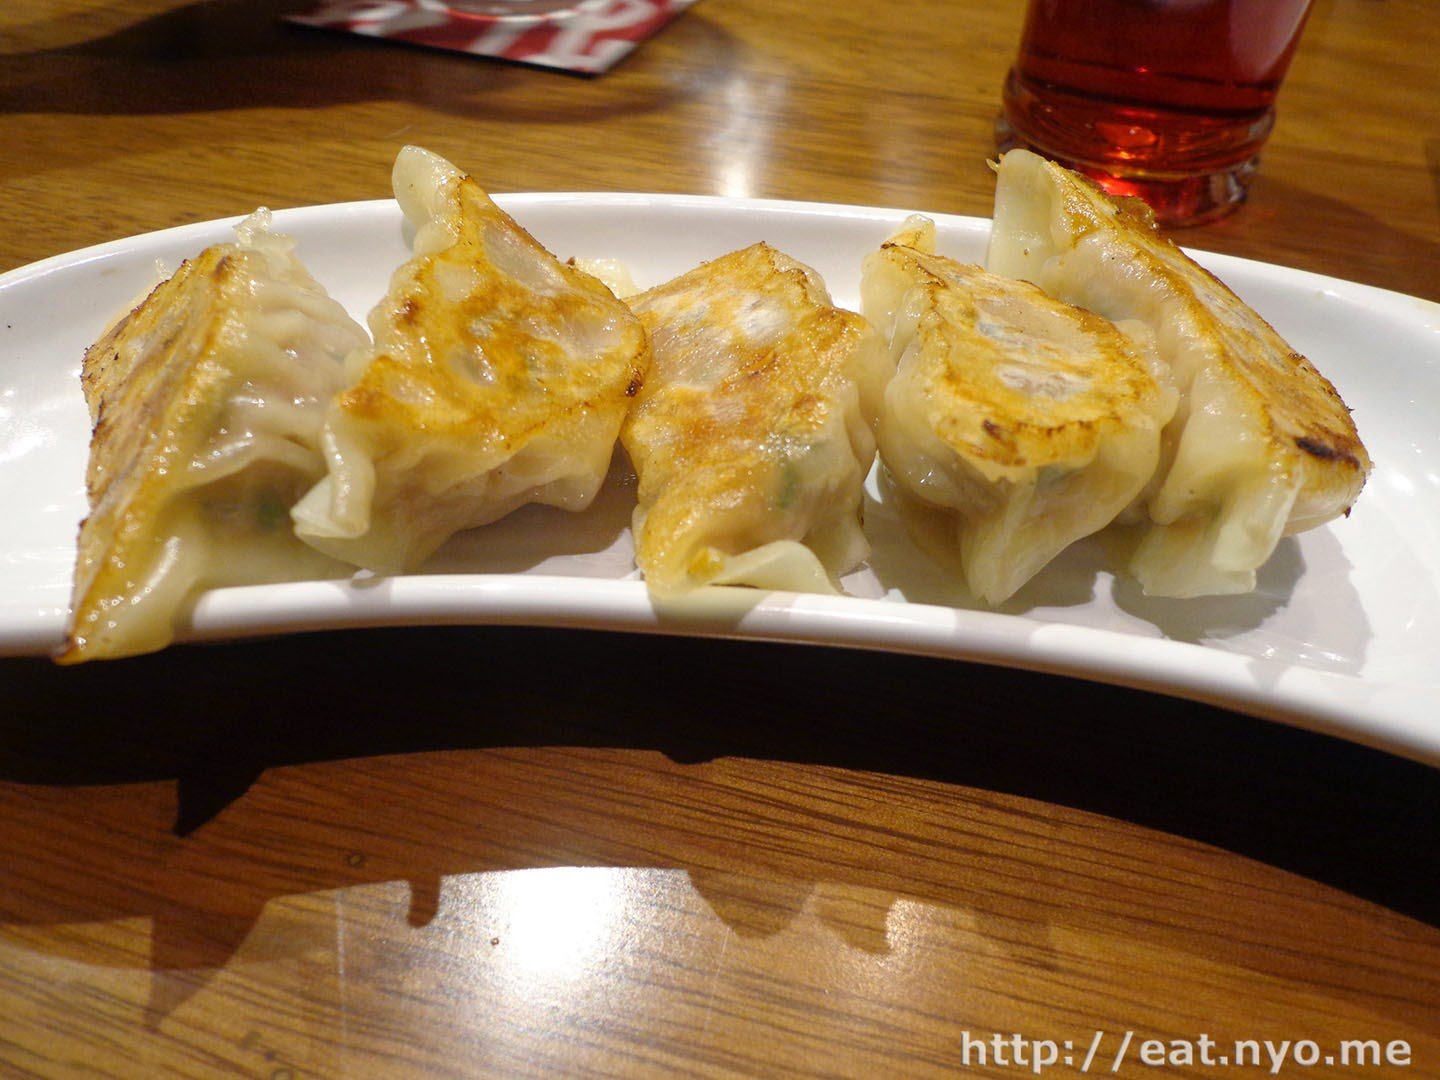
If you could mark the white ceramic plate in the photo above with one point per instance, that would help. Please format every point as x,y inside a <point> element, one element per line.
<point>1342,636</point>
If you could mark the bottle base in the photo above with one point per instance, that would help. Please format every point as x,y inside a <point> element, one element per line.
<point>1177,200</point>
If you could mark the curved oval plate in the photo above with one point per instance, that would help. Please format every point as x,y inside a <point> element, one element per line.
<point>1342,635</point>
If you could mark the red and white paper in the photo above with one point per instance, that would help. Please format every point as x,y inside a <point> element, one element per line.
<point>587,36</point>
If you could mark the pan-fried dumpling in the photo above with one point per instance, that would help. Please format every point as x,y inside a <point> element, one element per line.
<point>498,377</point>
<point>208,401</point>
<point>1261,444</point>
<point>1026,422</point>
<point>752,436</point>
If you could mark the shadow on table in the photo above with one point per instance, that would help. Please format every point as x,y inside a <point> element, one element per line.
<point>200,715</point>
<point>215,719</point>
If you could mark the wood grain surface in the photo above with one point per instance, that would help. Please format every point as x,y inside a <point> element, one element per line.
<point>469,852</point>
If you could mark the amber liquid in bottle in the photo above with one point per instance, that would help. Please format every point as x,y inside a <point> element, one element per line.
<point>1147,95</point>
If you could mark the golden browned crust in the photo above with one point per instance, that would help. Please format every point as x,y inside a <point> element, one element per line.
<point>463,360</point>
<point>145,398</point>
<point>1014,378</point>
<point>752,364</point>
<point>1301,422</point>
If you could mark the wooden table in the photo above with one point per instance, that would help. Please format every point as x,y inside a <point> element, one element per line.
<point>507,852</point>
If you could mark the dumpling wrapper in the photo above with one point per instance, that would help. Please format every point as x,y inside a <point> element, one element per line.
<point>208,400</point>
<point>1027,422</point>
<point>752,436</point>
<point>1261,445</point>
<point>498,377</point>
